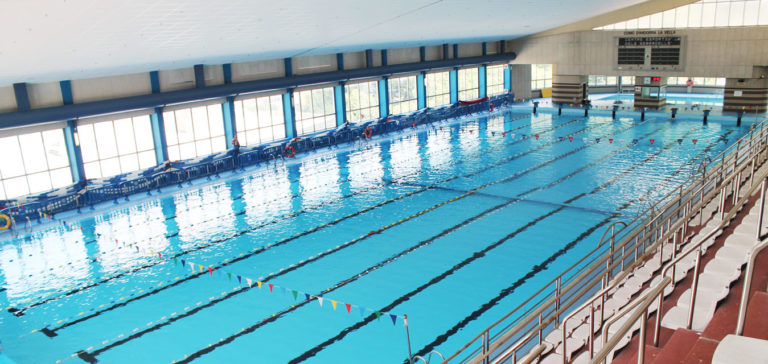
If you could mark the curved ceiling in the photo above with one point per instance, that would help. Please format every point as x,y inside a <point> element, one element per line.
<point>73,39</point>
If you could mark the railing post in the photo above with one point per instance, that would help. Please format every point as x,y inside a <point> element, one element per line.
<point>591,330</point>
<point>762,207</point>
<point>557,300</point>
<point>541,319</point>
<point>486,344</point>
<point>641,338</point>
<point>694,288</point>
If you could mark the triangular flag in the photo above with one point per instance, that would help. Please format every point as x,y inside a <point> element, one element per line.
<point>249,281</point>
<point>610,141</point>
<point>229,276</point>
<point>258,283</point>
<point>597,140</point>
<point>307,295</point>
<point>183,262</point>
<point>694,141</point>
<point>175,261</point>
<point>210,271</point>
<point>320,300</point>
<point>570,139</point>
<point>362,311</point>
<point>239,279</point>
<point>270,287</point>
<point>652,140</point>
<point>634,141</point>
<point>679,141</point>
<point>537,136</point>
<point>349,307</point>
<point>160,255</point>
<point>200,266</point>
<point>295,294</point>
<point>378,315</point>
<point>334,304</point>
<point>394,319</point>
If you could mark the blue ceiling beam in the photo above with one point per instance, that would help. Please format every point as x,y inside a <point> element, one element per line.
<point>68,112</point>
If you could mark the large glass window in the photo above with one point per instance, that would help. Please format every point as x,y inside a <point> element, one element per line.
<point>362,99</point>
<point>32,163</point>
<point>117,146</point>
<point>402,95</point>
<point>541,76</point>
<point>438,88</point>
<point>194,132</point>
<point>627,80</point>
<point>468,84</point>
<point>259,120</point>
<point>494,79</point>
<point>697,81</point>
<point>702,14</point>
<point>602,80</point>
<point>315,110</point>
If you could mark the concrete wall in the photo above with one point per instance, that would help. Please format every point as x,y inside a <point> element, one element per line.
<point>521,80</point>
<point>720,52</point>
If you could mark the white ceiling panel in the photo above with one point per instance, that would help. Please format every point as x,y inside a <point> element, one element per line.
<point>54,40</point>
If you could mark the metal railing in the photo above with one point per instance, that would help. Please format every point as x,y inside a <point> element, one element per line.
<point>641,313</point>
<point>662,221</point>
<point>748,282</point>
<point>695,246</point>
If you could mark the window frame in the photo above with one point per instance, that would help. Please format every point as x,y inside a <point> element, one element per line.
<point>407,104</point>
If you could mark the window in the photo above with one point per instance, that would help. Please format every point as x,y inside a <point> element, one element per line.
<point>117,146</point>
<point>362,101</point>
<point>541,76</point>
<point>702,14</point>
<point>259,120</point>
<point>438,88</point>
<point>468,84</point>
<point>697,81</point>
<point>603,80</point>
<point>194,132</point>
<point>32,163</point>
<point>315,110</point>
<point>494,79</point>
<point>627,80</point>
<point>402,95</point>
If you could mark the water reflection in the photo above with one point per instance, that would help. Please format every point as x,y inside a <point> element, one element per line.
<point>195,210</point>
<point>319,180</point>
<point>49,263</point>
<point>404,157</point>
<point>365,168</point>
<point>267,195</point>
<point>130,235</point>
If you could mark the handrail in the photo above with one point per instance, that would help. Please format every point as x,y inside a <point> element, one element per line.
<point>748,281</point>
<point>642,312</point>
<point>695,246</point>
<point>724,171</point>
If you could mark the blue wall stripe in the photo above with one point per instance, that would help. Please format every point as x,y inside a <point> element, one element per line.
<point>288,67</point>
<point>340,61</point>
<point>421,91</point>
<point>369,58</point>
<point>508,79</point>
<point>22,97</point>
<point>383,57</point>
<point>485,48</point>
<point>199,76</point>
<point>230,125</point>
<point>455,51</point>
<point>154,80</point>
<point>227,68</point>
<point>453,78</point>
<point>341,104</point>
<point>445,51</point>
<point>423,54</point>
<point>76,110</point>
<point>66,92</point>
<point>73,152</point>
<point>482,85</point>
<point>158,134</point>
<point>290,121</point>
<point>383,97</point>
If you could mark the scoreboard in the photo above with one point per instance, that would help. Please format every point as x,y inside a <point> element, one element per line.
<point>649,50</point>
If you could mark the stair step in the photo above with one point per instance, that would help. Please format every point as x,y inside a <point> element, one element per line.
<point>678,346</point>
<point>702,351</point>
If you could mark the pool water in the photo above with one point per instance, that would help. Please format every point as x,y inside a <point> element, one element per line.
<point>674,98</point>
<point>453,225</point>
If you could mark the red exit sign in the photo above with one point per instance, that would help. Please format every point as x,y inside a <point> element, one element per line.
<point>655,79</point>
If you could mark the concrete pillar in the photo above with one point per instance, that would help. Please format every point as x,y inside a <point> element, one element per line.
<point>569,89</point>
<point>749,95</point>
<point>650,91</point>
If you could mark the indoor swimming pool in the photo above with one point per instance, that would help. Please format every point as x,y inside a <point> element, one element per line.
<point>320,258</point>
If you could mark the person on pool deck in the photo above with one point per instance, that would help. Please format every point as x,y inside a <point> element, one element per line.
<point>235,149</point>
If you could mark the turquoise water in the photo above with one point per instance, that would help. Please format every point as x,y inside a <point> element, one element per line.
<point>452,225</point>
<point>673,98</point>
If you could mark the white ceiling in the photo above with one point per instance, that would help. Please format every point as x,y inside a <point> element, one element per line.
<point>53,40</point>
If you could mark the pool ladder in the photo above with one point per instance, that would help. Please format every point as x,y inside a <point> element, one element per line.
<point>418,358</point>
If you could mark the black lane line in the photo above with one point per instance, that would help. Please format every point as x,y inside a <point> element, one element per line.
<point>52,332</point>
<point>312,352</point>
<point>91,357</point>
<point>394,257</point>
<point>20,311</point>
<point>543,265</point>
